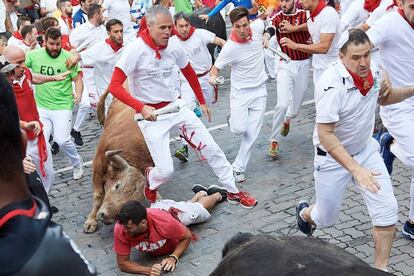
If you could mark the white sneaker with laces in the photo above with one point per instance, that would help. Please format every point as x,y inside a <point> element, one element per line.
<point>239,177</point>
<point>78,170</point>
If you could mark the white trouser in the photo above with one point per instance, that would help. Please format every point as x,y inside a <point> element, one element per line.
<point>246,118</point>
<point>59,122</point>
<point>271,61</point>
<point>317,72</point>
<point>89,99</point>
<point>292,83</point>
<point>33,151</point>
<point>331,180</point>
<point>187,93</point>
<point>157,136</point>
<point>399,120</point>
<point>13,19</point>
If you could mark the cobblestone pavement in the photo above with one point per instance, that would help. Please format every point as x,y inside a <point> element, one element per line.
<point>277,185</point>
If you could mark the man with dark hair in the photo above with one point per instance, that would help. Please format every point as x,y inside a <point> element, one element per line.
<point>161,229</point>
<point>244,54</point>
<point>194,42</point>
<point>55,99</point>
<point>29,34</point>
<point>393,34</point>
<point>83,38</point>
<point>65,19</point>
<point>17,38</point>
<point>102,57</point>
<point>48,22</point>
<point>81,16</point>
<point>292,76</point>
<point>345,151</point>
<point>27,234</point>
<point>324,26</point>
<point>149,62</point>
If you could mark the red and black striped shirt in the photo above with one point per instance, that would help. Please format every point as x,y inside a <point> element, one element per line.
<point>302,37</point>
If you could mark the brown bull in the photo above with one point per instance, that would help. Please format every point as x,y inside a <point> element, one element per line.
<point>119,164</point>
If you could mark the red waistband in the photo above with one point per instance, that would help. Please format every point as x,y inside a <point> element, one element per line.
<point>203,74</point>
<point>159,105</point>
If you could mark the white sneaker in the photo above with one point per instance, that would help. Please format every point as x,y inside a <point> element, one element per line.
<point>78,170</point>
<point>239,177</point>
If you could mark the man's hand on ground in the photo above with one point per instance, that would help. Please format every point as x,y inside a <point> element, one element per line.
<point>168,264</point>
<point>156,270</point>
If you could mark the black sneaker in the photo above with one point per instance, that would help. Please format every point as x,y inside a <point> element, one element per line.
<point>198,188</point>
<point>55,148</point>
<point>304,226</point>
<point>212,189</point>
<point>77,137</point>
<point>408,230</point>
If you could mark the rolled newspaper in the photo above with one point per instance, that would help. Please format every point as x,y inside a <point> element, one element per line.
<point>279,53</point>
<point>169,109</point>
<point>219,80</point>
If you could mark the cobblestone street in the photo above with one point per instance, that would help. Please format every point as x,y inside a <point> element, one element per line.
<point>276,184</point>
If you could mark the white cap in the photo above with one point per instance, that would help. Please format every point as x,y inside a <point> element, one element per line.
<point>5,65</point>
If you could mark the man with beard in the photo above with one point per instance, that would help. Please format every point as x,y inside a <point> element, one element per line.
<point>55,99</point>
<point>346,97</point>
<point>102,57</point>
<point>293,76</point>
<point>65,19</point>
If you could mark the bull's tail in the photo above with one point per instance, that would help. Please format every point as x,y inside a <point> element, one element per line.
<point>100,110</point>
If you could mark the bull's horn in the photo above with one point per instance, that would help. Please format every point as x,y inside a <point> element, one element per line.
<point>117,159</point>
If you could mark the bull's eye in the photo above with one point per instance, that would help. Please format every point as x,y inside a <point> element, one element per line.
<point>117,186</point>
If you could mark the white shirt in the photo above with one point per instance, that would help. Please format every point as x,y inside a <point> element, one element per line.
<point>64,28</point>
<point>378,12</point>
<point>326,22</point>
<point>49,5</point>
<point>196,49</point>
<point>246,59</point>
<point>339,101</point>
<point>14,41</point>
<point>119,9</point>
<point>103,59</point>
<point>86,35</point>
<point>354,16</point>
<point>151,80</point>
<point>345,5</point>
<point>395,39</point>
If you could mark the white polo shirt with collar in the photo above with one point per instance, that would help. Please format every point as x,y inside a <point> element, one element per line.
<point>338,101</point>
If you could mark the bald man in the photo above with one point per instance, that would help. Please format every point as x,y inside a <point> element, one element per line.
<point>21,79</point>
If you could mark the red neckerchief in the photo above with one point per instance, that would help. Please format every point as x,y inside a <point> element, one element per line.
<point>115,46</point>
<point>321,5</point>
<point>146,37</point>
<point>401,12</point>
<point>192,29</point>
<point>363,84</point>
<point>18,212</point>
<point>394,4</point>
<point>235,38</point>
<point>17,35</point>
<point>68,20</point>
<point>27,109</point>
<point>66,43</point>
<point>371,5</point>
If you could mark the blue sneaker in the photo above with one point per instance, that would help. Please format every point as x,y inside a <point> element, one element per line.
<point>408,230</point>
<point>385,140</point>
<point>304,226</point>
<point>197,111</point>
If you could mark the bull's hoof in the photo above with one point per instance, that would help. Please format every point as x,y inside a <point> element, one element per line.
<point>90,225</point>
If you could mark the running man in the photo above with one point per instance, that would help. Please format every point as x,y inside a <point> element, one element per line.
<point>293,76</point>
<point>244,53</point>
<point>149,62</point>
<point>346,97</point>
<point>55,99</point>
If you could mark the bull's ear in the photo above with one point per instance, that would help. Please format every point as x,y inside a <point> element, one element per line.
<point>116,159</point>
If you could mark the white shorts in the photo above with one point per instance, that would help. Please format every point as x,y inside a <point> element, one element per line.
<point>190,212</point>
